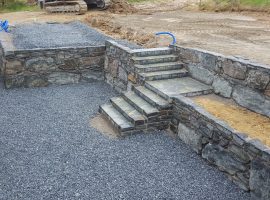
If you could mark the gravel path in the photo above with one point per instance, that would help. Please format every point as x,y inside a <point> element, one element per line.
<point>44,35</point>
<point>49,151</point>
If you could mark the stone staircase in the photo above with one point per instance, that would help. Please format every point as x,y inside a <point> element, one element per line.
<point>147,107</point>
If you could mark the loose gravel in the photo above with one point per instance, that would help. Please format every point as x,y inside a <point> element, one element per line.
<point>49,151</point>
<point>54,35</point>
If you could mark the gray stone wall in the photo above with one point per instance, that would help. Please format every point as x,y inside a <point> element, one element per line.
<point>42,67</point>
<point>119,69</point>
<point>246,82</point>
<point>246,161</point>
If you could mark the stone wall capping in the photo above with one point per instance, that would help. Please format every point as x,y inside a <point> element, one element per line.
<point>257,144</point>
<point>239,138</point>
<point>112,42</point>
<point>266,155</point>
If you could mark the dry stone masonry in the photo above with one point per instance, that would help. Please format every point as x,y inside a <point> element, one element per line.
<point>246,161</point>
<point>154,86</point>
<point>42,67</point>
<point>244,81</point>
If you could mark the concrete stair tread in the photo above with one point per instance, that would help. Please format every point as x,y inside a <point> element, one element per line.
<point>178,86</point>
<point>152,97</point>
<point>154,57</point>
<point>149,74</point>
<point>142,105</point>
<point>128,110</point>
<point>122,123</point>
<point>155,65</point>
<point>153,51</point>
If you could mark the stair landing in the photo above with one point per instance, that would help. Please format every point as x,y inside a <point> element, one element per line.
<point>178,86</point>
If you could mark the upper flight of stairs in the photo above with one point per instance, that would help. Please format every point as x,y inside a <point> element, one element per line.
<point>147,107</point>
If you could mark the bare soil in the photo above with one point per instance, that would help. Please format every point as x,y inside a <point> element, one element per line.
<point>101,124</point>
<point>245,34</point>
<point>239,118</point>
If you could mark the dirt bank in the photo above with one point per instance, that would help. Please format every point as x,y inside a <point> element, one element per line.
<point>240,34</point>
<point>241,119</point>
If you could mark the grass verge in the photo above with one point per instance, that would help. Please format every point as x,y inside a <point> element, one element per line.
<point>235,5</point>
<point>19,5</point>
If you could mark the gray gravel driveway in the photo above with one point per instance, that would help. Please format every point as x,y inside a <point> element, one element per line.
<point>49,151</point>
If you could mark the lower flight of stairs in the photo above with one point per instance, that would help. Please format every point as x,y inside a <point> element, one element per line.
<point>147,107</point>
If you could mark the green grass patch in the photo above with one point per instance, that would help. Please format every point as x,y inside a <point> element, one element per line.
<point>258,3</point>
<point>19,5</point>
<point>235,5</point>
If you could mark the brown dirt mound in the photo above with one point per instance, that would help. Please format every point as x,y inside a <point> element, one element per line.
<point>121,7</point>
<point>104,22</point>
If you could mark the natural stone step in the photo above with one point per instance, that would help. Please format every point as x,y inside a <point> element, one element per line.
<point>118,120</point>
<point>185,86</point>
<point>128,111</point>
<point>159,67</point>
<point>152,51</point>
<point>152,98</point>
<point>154,59</point>
<point>140,104</point>
<point>159,75</point>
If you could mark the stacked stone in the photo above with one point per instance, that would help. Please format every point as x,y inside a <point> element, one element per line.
<point>118,65</point>
<point>246,82</point>
<point>42,67</point>
<point>245,160</point>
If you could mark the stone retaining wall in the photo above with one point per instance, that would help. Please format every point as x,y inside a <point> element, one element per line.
<point>118,66</point>
<point>42,67</point>
<point>245,160</point>
<point>246,82</point>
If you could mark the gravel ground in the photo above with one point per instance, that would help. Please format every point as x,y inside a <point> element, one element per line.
<point>74,34</point>
<point>49,151</point>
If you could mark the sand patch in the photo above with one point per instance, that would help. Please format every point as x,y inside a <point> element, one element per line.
<point>239,118</point>
<point>101,124</point>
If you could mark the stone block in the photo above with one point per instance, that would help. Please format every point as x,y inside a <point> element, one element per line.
<point>62,78</point>
<point>36,81</point>
<point>222,87</point>
<point>223,159</point>
<point>69,64</point>
<point>260,179</point>
<point>240,153</point>
<point>234,69</point>
<point>13,67</point>
<point>190,137</point>
<point>122,75</point>
<point>252,100</point>
<point>189,56</point>
<point>267,90</point>
<point>14,81</point>
<point>91,76</point>
<point>201,74</point>
<point>40,64</point>
<point>114,65</point>
<point>91,61</point>
<point>209,61</point>
<point>257,79</point>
